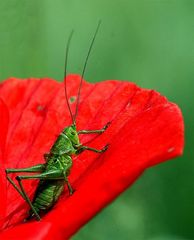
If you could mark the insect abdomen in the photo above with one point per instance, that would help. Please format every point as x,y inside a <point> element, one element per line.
<point>48,191</point>
<point>46,195</point>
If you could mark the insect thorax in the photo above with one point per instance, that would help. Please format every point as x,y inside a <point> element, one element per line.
<point>56,162</point>
<point>67,142</point>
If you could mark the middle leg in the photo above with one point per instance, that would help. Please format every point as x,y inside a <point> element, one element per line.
<point>82,148</point>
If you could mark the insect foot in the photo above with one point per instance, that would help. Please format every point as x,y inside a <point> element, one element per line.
<point>106,126</point>
<point>72,192</point>
<point>18,178</point>
<point>105,148</point>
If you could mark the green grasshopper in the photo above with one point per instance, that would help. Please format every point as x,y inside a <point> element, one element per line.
<point>53,174</point>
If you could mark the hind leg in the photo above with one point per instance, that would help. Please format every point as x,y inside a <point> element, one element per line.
<point>50,175</point>
<point>36,168</point>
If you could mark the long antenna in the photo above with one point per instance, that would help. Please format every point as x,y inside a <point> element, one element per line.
<point>84,69</point>
<point>65,74</point>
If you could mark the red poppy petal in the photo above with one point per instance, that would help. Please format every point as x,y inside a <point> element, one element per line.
<point>158,136</point>
<point>35,230</point>
<point>145,130</point>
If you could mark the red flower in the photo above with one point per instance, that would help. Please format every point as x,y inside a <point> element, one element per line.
<point>145,130</point>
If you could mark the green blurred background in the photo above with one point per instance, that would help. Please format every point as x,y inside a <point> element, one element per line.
<point>150,42</point>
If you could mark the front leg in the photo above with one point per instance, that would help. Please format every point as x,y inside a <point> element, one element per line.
<point>94,131</point>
